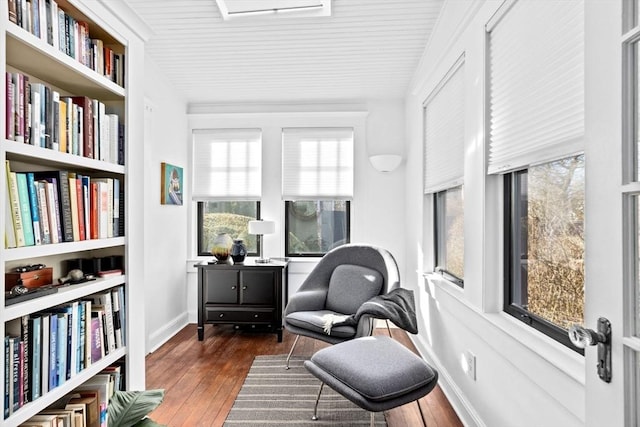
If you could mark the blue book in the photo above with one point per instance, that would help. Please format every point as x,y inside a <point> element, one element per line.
<point>25,209</point>
<point>61,358</point>
<point>35,356</point>
<point>53,352</point>
<point>80,322</point>
<point>35,213</point>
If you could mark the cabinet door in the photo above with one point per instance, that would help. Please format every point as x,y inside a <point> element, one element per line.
<point>257,287</point>
<point>220,286</point>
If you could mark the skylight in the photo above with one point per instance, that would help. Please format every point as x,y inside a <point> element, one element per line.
<point>233,9</point>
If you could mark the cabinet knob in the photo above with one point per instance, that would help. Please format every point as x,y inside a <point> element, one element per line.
<point>221,315</point>
<point>255,316</point>
<point>233,287</point>
<point>244,287</point>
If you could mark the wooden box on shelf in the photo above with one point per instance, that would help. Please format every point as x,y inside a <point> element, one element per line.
<point>29,279</point>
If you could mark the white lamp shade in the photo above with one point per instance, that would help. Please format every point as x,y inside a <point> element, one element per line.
<point>262,227</point>
<point>385,162</point>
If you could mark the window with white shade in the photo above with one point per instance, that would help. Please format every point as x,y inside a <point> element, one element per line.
<point>317,186</point>
<point>227,184</point>
<point>536,141</point>
<point>444,171</point>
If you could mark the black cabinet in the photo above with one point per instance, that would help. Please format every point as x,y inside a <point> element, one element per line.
<point>243,294</point>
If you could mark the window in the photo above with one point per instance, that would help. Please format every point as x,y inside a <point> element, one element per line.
<point>444,171</point>
<point>314,227</point>
<point>449,234</point>
<point>545,245</point>
<point>536,140</point>
<point>227,185</point>
<point>230,218</point>
<point>317,185</point>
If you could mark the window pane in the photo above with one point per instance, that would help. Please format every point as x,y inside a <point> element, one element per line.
<point>226,217</point>
<point>551,270</point>
<point>450,232</point>
<point>314,227</point>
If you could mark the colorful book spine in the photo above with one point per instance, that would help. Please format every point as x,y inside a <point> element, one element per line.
<point>35,210</point>
<point>25,209</point>
<point>16,214</point>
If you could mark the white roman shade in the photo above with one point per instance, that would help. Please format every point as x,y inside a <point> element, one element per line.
<point>536,86</point>
<point>317,163</point>
<point>227,164</point>
<point>444,133</point>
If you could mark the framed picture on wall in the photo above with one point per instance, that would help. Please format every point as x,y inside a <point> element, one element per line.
<point>171,184</point>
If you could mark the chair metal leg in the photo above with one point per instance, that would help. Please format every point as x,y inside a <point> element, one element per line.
<point>315,408</point>
<point>388,328</point>
<point>291,352</point>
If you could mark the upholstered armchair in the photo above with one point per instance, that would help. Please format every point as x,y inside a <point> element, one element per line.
<point>341,282</point>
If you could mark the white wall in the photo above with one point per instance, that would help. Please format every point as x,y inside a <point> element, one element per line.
<point>165,226</point>
<point>523,378</point>
<point>377,207</point>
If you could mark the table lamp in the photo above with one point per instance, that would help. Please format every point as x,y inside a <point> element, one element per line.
<point>260,228</point>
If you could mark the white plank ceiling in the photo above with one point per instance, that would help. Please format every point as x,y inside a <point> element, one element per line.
<point>367,49</point>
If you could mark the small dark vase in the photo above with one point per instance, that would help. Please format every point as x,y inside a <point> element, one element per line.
<point>238,251</point>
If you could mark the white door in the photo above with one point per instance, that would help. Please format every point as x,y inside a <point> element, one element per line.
<point>612,207</point>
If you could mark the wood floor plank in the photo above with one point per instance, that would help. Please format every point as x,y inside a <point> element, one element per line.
<point>201,379</point>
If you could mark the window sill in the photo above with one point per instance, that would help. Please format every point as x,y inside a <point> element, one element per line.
<point>524,337</point>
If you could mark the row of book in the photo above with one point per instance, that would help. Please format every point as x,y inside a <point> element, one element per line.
<point>47,21</point>
<point>59,206</point>
<point>39,115</point>
<point>43,350</point>
<point>85,406</point>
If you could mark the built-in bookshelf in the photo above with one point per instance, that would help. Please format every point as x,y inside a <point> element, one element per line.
<point>71,109</point>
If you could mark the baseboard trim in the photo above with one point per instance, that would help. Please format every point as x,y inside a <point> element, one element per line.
<point>467,414</point>
<point>164,334</point>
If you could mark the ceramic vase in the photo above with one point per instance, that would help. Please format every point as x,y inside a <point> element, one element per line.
<point>238,251</point>
<point>222,247</point>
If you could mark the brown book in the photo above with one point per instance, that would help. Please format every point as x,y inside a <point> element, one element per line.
<point>87,124</point>
<point>90,400</point>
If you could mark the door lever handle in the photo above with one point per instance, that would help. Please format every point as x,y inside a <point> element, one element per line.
<point>582,337</point>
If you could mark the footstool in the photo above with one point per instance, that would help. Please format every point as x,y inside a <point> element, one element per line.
<point>376,373</point>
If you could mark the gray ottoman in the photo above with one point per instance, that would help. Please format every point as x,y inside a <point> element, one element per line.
<point>376,373</point>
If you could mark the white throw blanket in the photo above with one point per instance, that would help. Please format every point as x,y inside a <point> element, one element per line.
<point>329,320</point>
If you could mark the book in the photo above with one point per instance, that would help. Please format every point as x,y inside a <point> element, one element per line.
<point>116,207</point>
<point>25,209</point>
<point>16,213</point>
<point>102,383</point>
<point>86,352</point>
<point>117,328</point>
<point>35,356</point>
<point>9,231</point>
<point>80,204</point>
<point>37,130</point>
<point>61,180</point>
<point>7,376</point>
<point>62,347</point>
<point>104,299</point>
<point>43,211</point>
<point>90,399</point>
<point>20,328</point>
<point>35,210</point>
<point>109,273</point>
<point>53,212</point>
<point>73,196</point>
<point>44,363</point>
<point>86,105</point>
<point>97,351</point>
<point>53,351</point>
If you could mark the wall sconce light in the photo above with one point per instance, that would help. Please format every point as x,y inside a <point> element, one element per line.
<point>385,162</point>
<point>261,228</point>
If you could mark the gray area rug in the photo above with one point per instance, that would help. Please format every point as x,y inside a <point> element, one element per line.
<point>273,396</point>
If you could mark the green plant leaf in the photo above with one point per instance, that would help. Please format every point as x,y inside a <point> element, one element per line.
<point>127,408</point>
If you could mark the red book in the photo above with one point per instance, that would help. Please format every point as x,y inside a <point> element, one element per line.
<point>87,124</point>
<point>94,210</point>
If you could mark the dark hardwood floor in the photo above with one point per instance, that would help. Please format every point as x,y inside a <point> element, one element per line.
<point>202,378</point>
